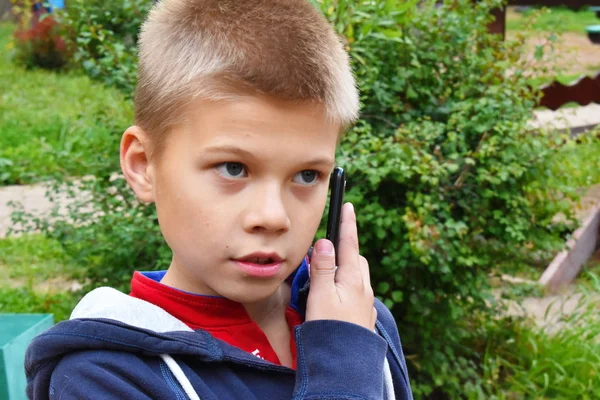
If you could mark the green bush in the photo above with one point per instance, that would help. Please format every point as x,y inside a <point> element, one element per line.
<point>38,40</point>
<point>41,45</point>
<point>449,183</point>
<point>104,36</point>
<point>107,232</point>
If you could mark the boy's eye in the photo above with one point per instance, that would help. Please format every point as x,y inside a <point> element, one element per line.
<point>306,177</point>
<point>232,170</point>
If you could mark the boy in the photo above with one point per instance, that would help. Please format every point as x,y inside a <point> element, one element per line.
<point>239,108</point>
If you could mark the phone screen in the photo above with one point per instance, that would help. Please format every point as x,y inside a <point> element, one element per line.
<point>337,185</point>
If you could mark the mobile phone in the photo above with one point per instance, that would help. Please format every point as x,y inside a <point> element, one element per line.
<point>337,184</point>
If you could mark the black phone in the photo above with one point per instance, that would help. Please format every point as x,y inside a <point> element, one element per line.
<point>337,184</point>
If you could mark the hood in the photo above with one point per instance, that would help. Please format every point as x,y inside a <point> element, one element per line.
<point>107,319</point>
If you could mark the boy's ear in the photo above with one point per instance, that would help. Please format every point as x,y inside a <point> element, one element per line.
<point>135,163</point>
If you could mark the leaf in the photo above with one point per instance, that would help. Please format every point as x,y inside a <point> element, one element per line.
<point>539,52</point>
<point>397,296</point>
<point>410,93</point>
<point>392,33</point>
<point>383,287</point>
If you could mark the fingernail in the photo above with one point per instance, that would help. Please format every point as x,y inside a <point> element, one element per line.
<point>324,247</point>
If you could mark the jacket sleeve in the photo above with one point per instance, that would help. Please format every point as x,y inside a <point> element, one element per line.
<point>98,374</point>
<point>387,328</point>
<point>338,360</point>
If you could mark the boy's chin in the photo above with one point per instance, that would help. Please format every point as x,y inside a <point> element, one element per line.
<point>255,293</point>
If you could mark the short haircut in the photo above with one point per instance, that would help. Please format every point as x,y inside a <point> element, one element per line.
<point>220,49</point>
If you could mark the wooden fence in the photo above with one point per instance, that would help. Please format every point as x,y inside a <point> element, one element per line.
<point>583,91</point>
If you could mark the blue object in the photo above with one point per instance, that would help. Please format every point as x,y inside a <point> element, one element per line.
<point>16,332</point>
<point>57,3</point>
<point>48,5</point>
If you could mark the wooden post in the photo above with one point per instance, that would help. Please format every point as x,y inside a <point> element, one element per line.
<point>499,24</point>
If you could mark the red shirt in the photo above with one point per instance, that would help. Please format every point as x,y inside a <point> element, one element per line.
<point>223,318</point>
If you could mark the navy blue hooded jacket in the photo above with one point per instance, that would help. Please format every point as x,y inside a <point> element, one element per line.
<point>119,347</point>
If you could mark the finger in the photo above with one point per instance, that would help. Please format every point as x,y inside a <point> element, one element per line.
<point>373,318</point>
<point>364,271</point>
<point>349,265</point>
<point>322,266</point>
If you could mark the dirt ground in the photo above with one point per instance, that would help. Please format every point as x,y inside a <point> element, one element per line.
<point>575,54</point>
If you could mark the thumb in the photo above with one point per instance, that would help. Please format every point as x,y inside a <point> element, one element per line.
<point>322,264</point>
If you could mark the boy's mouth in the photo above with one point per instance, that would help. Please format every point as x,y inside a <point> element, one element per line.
<point>261,258</point>
<point>262,265</point>
<point>258,260</point>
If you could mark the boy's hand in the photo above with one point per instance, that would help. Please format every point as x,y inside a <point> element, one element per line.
<point>345,294</point>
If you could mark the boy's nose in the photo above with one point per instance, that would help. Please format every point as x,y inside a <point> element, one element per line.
<point>267,212</point>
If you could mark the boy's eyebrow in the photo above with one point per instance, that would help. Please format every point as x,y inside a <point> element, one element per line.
<point>324,161</point>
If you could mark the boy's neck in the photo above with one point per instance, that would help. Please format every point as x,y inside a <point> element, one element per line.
<point>270,310</point>
<point>269,315</point>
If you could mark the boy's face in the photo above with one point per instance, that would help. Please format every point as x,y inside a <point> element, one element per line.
<point>240,184</point>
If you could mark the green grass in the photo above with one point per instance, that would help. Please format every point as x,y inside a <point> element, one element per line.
<point>33,259</point>
<point>581,162</point>
<point>54,123</point>
<point>556,19</point>
<point>563,366</point>
<point>526,361</point>
<point>26,300</point>
<point>33,273</point>
<point>590,274</point>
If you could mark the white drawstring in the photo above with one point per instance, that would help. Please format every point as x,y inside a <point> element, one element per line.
<point>388,382</point>
<point>180,376</point>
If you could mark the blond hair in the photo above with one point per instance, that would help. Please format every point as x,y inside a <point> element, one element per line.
<point>218,49</point>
